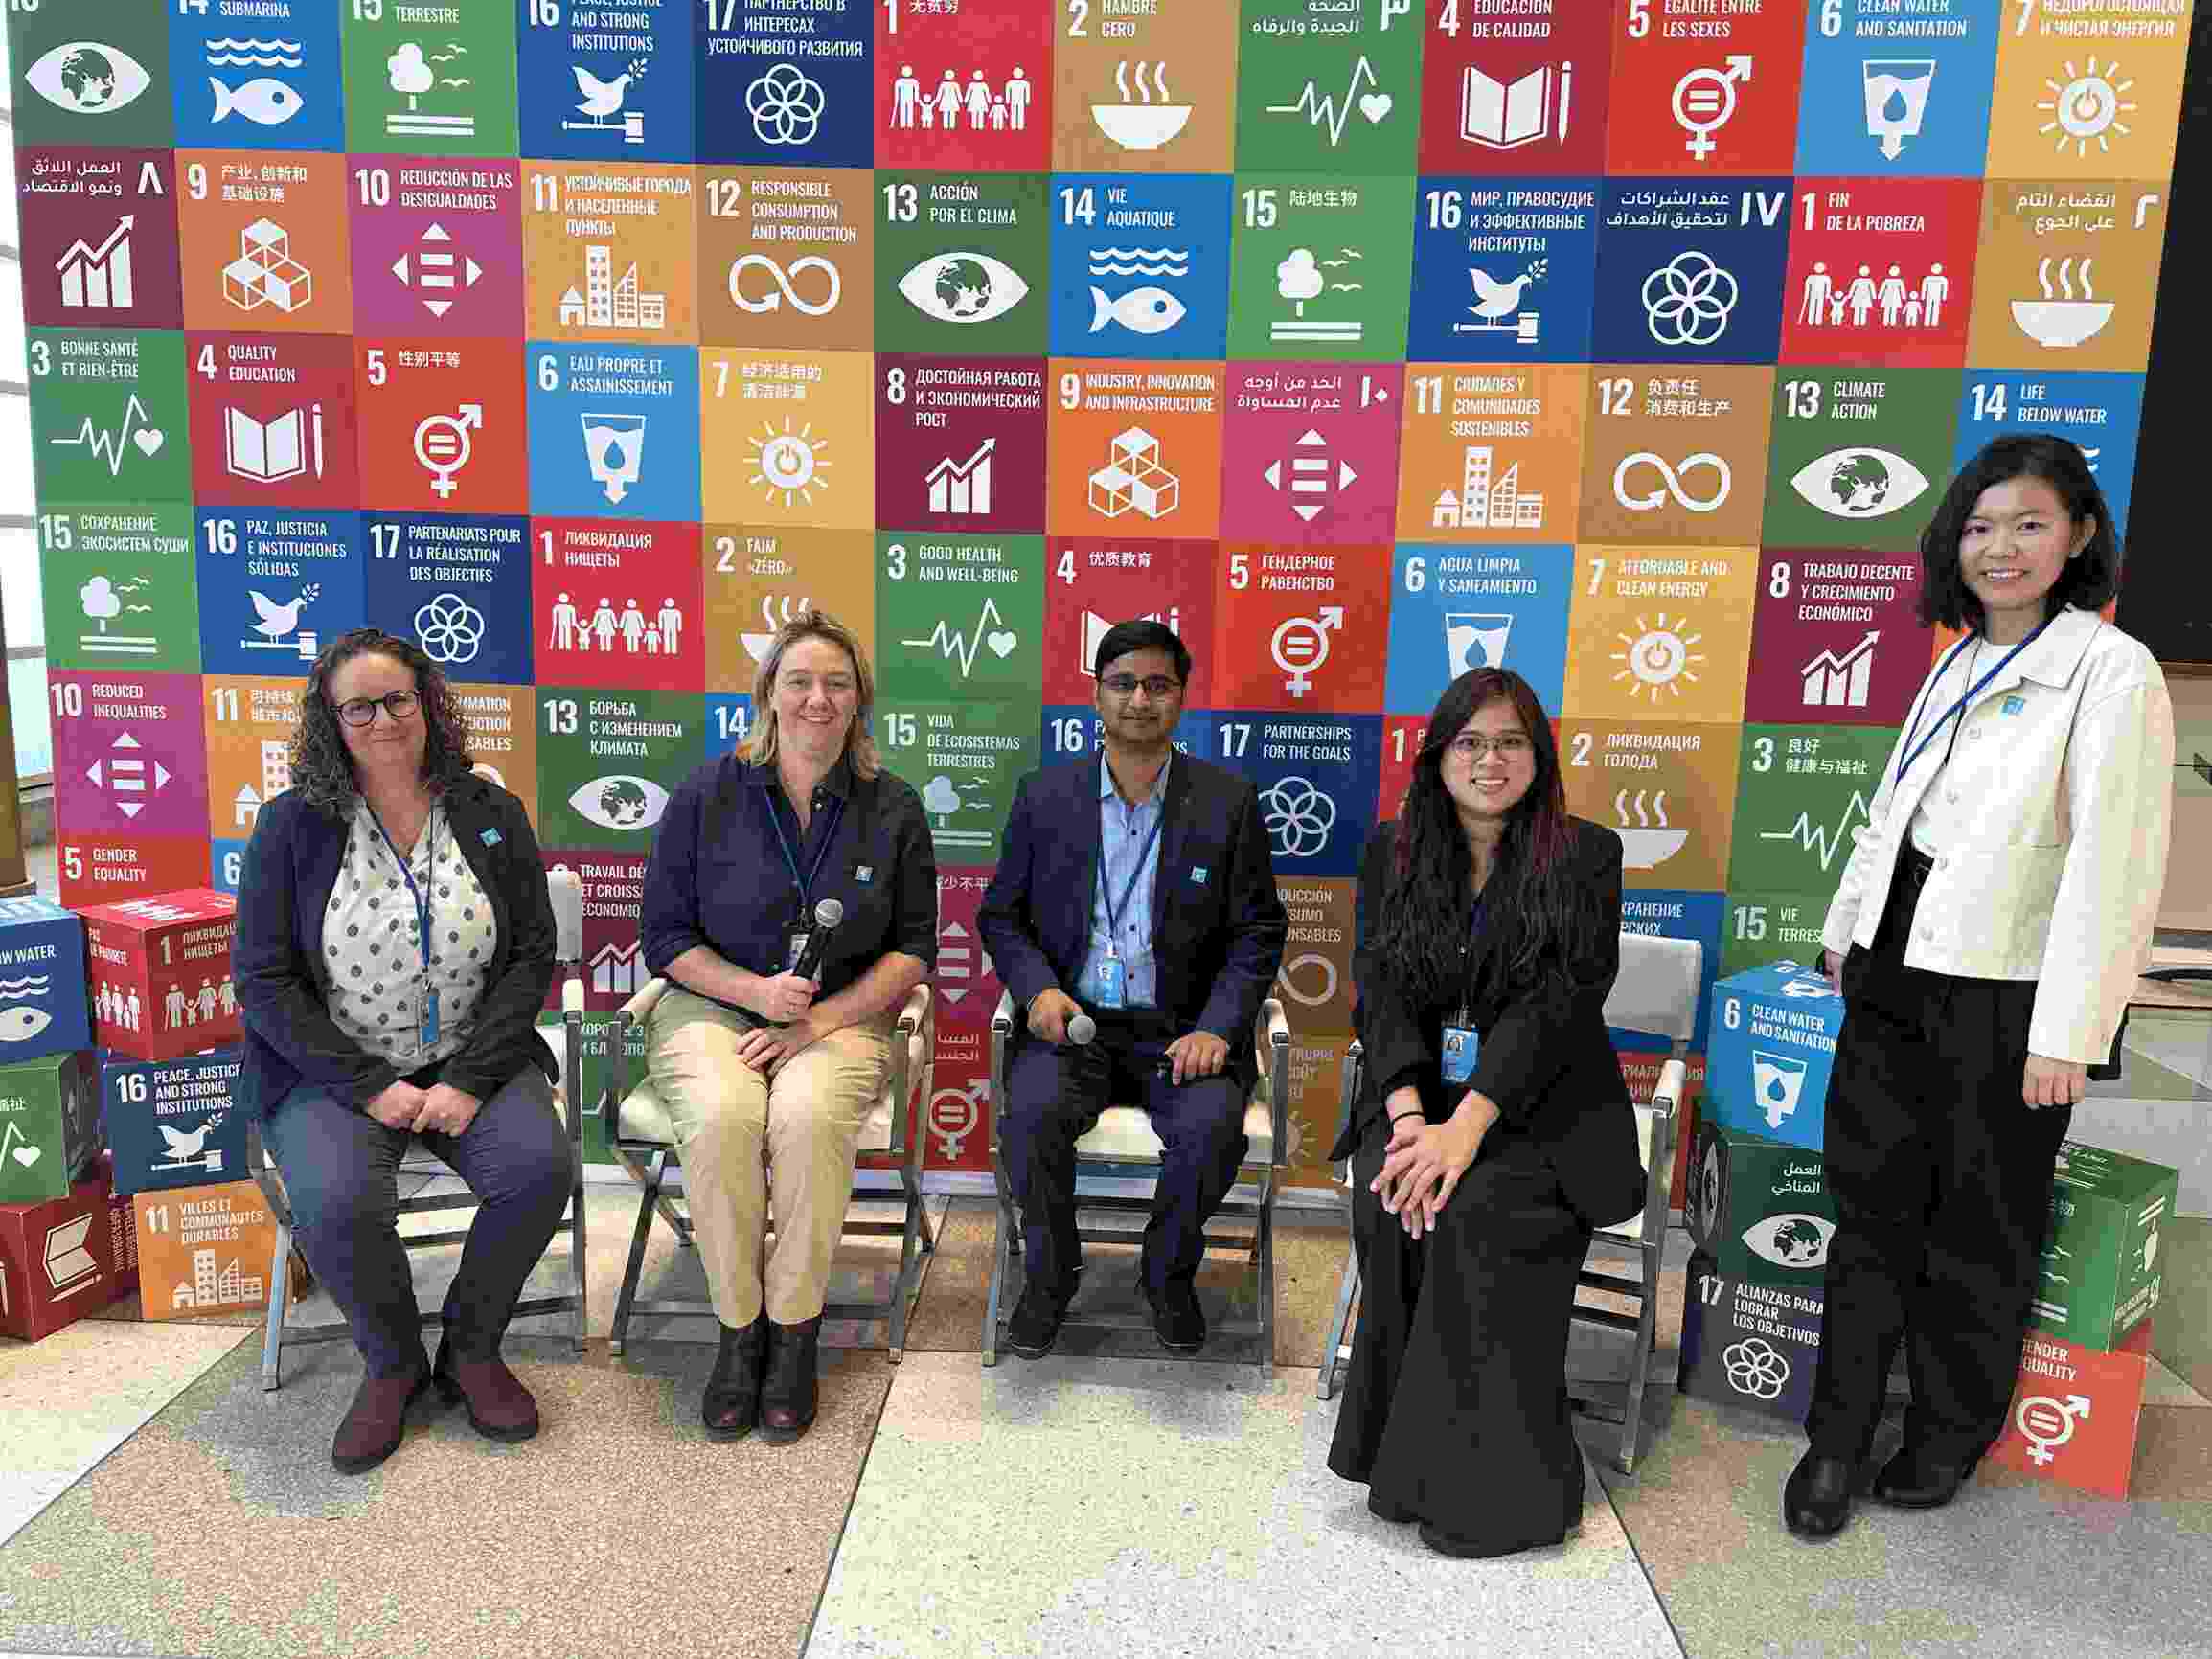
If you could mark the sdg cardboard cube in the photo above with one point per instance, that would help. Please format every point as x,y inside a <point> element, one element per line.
<point>1769,1053</point>
<point>42,1005</point>
<point>161,973</point>
<point>1760,1209</point>
<point>1749,1345</point>
<point>2076,1411</point>
<point>2101,1273</point>
<point>49,1126</point>
<point>204,1250</point>
<point>62,1259</point>
<point>170,1122</point>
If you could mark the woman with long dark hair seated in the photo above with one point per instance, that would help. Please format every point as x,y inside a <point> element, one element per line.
<point>1494,1132</point>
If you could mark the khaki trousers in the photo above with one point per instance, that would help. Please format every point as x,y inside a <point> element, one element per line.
<point>749,1141</point>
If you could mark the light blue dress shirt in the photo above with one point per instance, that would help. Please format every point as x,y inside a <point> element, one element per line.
<point>1122,830</point>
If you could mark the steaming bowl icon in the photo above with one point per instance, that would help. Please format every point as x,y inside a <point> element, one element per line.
<point>1649,848</point>
<point>1141,126</point>
<point>2061,323</point>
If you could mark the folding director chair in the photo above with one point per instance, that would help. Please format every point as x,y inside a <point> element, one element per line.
<point>1655,993</point>
<point>1120,1146</point>
<point>889,1168</point>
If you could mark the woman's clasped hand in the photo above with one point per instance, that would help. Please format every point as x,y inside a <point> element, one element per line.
<point>1424,1160</point>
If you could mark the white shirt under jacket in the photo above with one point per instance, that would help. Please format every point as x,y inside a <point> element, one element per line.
<point>2056,805</point>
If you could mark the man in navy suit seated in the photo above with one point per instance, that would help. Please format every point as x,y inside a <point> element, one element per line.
<point>1137,889</point>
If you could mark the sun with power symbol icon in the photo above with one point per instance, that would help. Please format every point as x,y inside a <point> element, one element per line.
<point>789,464</point>
<point>2087,106</point>
<point>1655,658</point>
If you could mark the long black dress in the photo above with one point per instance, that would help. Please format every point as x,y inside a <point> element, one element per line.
<point>1455,1408</point>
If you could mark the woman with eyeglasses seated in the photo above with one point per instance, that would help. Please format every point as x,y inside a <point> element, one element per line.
<point>1494,1132</point>
<point>395,943</point>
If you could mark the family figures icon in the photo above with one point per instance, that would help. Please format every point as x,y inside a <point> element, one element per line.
<point>655,636</point>
<point>951,102</point>
<point>1826,300</point>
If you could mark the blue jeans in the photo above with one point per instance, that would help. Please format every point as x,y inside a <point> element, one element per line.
<point>341,1172</point>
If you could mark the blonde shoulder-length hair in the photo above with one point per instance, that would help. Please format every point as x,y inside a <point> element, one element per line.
<point>760,746</point>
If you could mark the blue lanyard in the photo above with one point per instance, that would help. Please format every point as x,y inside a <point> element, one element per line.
<point>1910,751</point>
<point>420,895</point>
<point>1114,910</point>
<point>783,846</point>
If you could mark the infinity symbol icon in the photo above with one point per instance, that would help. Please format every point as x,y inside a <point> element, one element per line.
<point>1670,481</point>
<point>784,289</point>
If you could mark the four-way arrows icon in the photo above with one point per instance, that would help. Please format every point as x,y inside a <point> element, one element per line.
<point>127,775</point>
<point>435,270</point>
<point>1312,474</point>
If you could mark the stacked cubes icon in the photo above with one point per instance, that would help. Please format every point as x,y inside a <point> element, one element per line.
<point>1135,480</point>
<point>264,273</point>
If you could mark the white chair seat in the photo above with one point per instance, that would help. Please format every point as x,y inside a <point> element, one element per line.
<point>1126,1132</point>
<point>645,1115</point>
<point>1632,1229</point>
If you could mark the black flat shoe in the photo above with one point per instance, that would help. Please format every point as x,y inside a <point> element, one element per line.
<point>1910,1482</point>
<point>1035,1326</point>
<point>1816,1498</point>
<point>790,1386</point>
<point>1176,1319</point>
<point>1384,1510</point>
<point>731,1405</point>
<point>1445,1543</point>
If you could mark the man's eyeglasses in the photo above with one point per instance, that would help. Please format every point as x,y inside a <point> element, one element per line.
<point>1509,746</point>
<point>360,710</point>
<point>1154,685</point>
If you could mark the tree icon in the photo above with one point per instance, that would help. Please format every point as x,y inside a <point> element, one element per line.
<point>408,71</point>
<point>102,603</point>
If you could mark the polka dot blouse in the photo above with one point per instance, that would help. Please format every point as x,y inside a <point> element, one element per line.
<point>373,971</point>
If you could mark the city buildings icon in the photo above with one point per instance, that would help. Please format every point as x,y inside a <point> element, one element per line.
<point>610,302</point>
<point>1487,499</point>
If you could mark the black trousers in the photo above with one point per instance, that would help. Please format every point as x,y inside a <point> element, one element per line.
<point>1455,1404</point>
<point>1942,1183</point>
<point>1055,1095</point>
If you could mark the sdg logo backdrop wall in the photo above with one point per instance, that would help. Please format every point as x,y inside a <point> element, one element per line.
<point>1362,342</point>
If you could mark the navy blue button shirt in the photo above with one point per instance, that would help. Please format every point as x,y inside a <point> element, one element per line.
<point>717,877</point>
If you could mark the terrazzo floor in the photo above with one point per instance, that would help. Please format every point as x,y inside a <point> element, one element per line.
<point>154,1500</point>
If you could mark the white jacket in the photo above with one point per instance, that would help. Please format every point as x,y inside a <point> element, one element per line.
<point>2056,805</point>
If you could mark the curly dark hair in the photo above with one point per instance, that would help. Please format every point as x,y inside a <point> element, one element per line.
<point>2087,579</point>
<point>1420,931</point>
<point>322,771</point>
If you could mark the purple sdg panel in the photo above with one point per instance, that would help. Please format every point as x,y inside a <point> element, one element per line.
<point>437,246</point>
<point>129,756</point>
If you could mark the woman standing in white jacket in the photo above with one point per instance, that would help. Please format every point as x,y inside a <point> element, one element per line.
<point>1986,936</point>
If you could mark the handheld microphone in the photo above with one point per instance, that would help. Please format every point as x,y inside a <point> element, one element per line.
<point>826,916</point>
<point>1081,1029</point>
<point>566,888</point>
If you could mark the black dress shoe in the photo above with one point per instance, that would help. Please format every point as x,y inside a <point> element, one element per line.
<point>1384,1510</point>
<point>1176,1319</point>
<point>790,1385</point>
<point>1909,1481</point>
<point>1816,1500</point>
<point>1035,1322</point>
<point>732,1403</point>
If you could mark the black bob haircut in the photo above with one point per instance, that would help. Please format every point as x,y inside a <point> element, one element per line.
<point>1124,638</point>
<point>2087,581</point>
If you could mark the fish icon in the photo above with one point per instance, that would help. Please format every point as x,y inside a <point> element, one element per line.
<point>1146,311</point>
<point>266,100</point>
<point>19,1025</point>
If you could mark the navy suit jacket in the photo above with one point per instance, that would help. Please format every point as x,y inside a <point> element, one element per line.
<point>1217,922</point>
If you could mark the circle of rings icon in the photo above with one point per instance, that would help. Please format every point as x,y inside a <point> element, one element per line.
<point>1688,299</point>
<point>1670,481</point>
<point>785,106</point>
<point>1298,816</point>
<point>450,629</point>
<point>1756,1367</point>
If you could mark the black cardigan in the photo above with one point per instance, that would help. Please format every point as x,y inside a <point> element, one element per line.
<point>1546,1057</point>
<point>290,866</point>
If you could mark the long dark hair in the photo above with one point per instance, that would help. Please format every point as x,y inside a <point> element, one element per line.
<point>2087,579</point>
<point>322,769</point>
<point>1420,928</point>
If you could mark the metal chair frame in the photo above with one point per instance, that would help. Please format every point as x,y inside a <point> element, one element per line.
<point>1271,1042</point>
<point>276,1332</point>
<point>893,1174</point>
<point>1655,993</point>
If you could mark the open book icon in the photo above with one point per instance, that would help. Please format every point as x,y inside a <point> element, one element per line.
<point>273,450</point>
<point>1501,116</point>
<point>69,1265</point>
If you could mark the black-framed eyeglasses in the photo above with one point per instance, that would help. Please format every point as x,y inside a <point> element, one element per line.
<point>361,711</point>
<point>1154,685</point>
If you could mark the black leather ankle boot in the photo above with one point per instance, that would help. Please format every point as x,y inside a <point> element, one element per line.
<point>789,1393</point>
<point>732,1403</point>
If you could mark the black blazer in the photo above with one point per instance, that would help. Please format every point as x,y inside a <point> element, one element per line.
<point>1217,922</point>
<point>290,866</point>
<point>1546,1058</point>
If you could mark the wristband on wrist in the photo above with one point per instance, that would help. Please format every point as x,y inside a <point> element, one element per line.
<point>1397,1116</point>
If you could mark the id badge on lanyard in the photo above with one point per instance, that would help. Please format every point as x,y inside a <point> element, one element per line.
<point>1462,1043</point>
<point>1113,980</point>
<point>427,1031</point>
